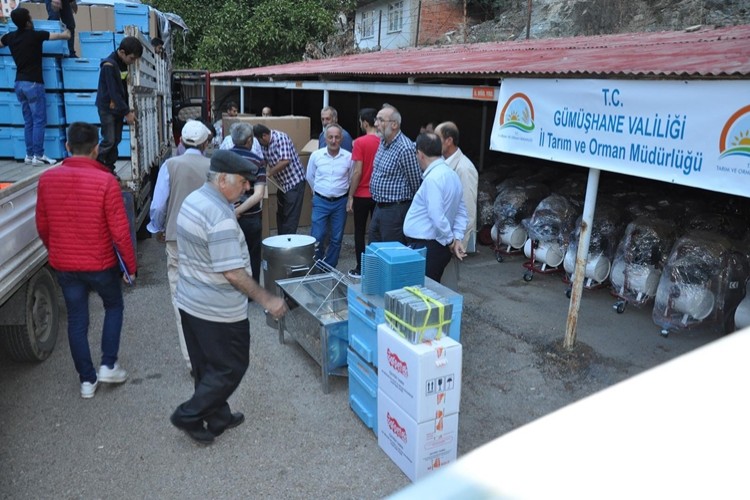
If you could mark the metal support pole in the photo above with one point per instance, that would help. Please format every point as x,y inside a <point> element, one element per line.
<point>325,98</point>
<point>589,205</point>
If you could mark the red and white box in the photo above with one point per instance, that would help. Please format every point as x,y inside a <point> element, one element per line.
<point>423,379</point>
<point>417,449</point>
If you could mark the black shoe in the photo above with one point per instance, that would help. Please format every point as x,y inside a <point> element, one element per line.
<point>197,433</point>
<point>237,419</point>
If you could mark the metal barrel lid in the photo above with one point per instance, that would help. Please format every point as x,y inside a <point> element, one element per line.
<point>289,241</point>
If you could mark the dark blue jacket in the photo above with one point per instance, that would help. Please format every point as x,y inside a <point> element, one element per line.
<point>112,93</point>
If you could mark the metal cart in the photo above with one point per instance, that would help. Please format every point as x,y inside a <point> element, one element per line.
<point>318,317</point>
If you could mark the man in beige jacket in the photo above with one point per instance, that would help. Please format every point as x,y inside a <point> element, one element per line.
<point>467,172</point>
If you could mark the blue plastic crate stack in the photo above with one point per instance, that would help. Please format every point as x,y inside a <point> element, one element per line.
<point>70,83</point>
<point>385,266</point>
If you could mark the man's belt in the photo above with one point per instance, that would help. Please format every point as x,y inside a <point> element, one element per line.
<point>391,203</point>
<point>331,198</point>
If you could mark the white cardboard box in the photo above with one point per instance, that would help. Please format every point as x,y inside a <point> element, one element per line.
<point>421,378</point>
<point>417,449</point>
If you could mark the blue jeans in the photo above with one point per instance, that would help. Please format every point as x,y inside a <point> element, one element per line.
<point>75,287</point>
<point>34,108</point>
<point>111,136</point>
<point>327,213</point>
<point>65,14</point>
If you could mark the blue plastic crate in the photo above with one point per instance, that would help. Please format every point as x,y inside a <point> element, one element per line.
<point>8,100</point>
<point>391,265</point>
<point>51,73</point>
<point>7,72</point>
<point>96,45</point>
<point>366,312</point>
<point>123,149</point>
<point>52,47</point>
<point>4,27</point>
<point>54,143</point>
<point>6,142</point>
<point>131,14</point>
<point>80,74</point>
<point>55,110</point>
<point>81,107</point>
<point>363,390</point>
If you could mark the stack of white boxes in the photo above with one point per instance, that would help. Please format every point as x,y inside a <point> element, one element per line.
<point>419,391</point>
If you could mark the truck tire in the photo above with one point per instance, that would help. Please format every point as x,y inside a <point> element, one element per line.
<point>35,340</point>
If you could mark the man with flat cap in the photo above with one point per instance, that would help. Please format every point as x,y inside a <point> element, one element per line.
<point>214,283</point>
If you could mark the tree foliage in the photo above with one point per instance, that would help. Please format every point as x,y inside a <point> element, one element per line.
<point>233,34</point>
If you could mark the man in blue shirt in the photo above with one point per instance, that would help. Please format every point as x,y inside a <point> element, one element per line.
<point>25,46</point>
<point>437,217</point>
<point>329,116</point>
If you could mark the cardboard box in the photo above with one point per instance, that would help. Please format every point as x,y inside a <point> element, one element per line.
<point>83,18</point>
<point>153,24</point>
<point>102,18</point>
<point>417,449</point>
<point>296,127</point>
<point>423,379</point>
<point>37,10</point>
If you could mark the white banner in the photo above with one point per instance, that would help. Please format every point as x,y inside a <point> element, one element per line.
<point>694,133</point>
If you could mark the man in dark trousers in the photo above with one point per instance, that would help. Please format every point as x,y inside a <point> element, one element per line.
<point>25,46</point>
<point>112,97</point>
<point>64,10</point>
<point>81,219</point>
<point>212,293</point>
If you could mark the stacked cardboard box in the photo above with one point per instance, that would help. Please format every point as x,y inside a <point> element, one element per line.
<point>419,392</point>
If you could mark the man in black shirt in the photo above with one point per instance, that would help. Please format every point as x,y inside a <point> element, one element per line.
<point>26,48</point>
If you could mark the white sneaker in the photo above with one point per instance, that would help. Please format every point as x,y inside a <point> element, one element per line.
<point>28,160</point>
<point>116,375</point>
<point>88,389</point>
<point>42,160</point>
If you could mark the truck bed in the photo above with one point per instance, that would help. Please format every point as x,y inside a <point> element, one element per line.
<point>13,170</point>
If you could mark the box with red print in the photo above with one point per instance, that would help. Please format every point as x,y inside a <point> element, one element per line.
<point>417,448</point>
<point>421,378</point>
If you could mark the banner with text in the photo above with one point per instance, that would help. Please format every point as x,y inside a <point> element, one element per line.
<point>694,133</point>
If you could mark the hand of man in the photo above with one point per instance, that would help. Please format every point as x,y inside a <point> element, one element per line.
<point>74,6</point>
<point>457,248</point>
<point>128,279</point>
<point>276,307</point>
<point>160,237</point>
<point>350,205</point>
<point>130,118</point>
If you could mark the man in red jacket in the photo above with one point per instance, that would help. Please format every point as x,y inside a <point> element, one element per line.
<point>81,219</point>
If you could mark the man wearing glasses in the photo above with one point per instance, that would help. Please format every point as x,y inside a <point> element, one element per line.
<point>396,176</point>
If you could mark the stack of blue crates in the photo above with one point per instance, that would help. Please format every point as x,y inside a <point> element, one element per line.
<point>391,265</point>
<point>131,14</point>
<point>12,140</point>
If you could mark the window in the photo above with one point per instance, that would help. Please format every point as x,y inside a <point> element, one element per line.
<point>395,16</point>
<point>368,24</point>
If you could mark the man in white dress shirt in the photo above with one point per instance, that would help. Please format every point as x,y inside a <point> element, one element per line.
<point>437,217</point>
<point>328,173</point>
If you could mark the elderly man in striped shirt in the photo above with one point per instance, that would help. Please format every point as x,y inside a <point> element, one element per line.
<point>214,283</point>
<point>396,176</point>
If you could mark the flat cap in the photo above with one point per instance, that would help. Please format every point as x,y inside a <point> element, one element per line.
<point>228,162</point>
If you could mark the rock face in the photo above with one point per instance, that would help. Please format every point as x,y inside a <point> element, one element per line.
<point>564,18</point>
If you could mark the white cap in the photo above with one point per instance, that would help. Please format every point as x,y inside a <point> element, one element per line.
<point>194,133</point>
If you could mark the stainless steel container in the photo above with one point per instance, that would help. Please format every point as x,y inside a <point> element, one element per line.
<point>318,319</point>
<point>285,256</point>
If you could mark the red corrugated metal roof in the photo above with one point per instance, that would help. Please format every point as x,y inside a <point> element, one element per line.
<point>705,53</point>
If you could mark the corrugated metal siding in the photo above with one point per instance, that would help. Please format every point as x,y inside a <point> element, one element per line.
<point>704,53</point>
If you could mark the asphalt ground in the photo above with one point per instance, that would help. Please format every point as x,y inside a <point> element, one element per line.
<point>298,442</point>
